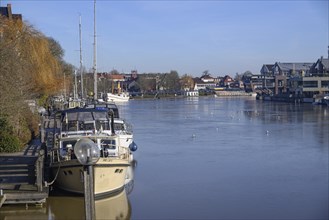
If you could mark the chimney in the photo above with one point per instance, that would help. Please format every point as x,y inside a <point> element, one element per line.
<point>10,15</point>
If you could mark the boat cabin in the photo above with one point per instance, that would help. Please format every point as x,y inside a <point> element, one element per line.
<point>92,123</point>
<point>82,121</point>
<point>104,106</point>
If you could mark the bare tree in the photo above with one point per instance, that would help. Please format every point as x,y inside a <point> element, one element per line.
<point>186,81</point>
<point>29,69</point>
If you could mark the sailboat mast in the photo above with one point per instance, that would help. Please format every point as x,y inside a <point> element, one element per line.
<point>75,85</point>
<point>95,70</point>
<point>81,73</point>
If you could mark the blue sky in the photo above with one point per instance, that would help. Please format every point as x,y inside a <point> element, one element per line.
<point>223,37</point>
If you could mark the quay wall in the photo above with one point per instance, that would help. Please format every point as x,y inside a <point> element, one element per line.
<point>285,98</point>
<point>233,93</point>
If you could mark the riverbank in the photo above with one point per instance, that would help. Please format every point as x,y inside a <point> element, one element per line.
<point>293,99</point>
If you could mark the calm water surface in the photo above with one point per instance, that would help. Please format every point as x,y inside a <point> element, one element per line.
<point>218,158</point>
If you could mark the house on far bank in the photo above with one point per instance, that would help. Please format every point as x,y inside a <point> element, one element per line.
<point>253,82</point>
<point>313,83</point>
<point>303,79</point>
<point>7,12</point>
<point>275,77</point>
<point>282,72</point>
<point>267,70</point>
<point>320,67</point>
<point>204,82</point>
<point>227,81</point>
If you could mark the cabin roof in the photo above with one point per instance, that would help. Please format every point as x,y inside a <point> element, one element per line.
<point>76,110</point>
<point>296,66</point>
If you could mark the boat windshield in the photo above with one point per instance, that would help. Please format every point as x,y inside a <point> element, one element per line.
<point>119,127</point>
<point>105,106</point>
<point>85,121</point>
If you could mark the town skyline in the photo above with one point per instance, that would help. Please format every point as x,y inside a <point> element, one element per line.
<point>189,37</point>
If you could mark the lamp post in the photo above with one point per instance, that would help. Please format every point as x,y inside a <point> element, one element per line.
<point>87,153</point>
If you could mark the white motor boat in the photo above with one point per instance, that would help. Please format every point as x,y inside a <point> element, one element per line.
<point>121,97</point>
<point>81,127</point>
<point>121,127</point>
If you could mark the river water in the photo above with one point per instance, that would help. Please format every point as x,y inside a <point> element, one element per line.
<point>216,158</point>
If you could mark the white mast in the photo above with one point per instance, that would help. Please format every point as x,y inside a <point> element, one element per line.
<point>81,72</point>
<point>95,70</point>
<point>75,85</point>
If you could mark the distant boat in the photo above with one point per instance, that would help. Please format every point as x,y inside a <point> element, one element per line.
<point>325,99</point>
<point>193,93</point>
<point>122,97</point>
<point>321,99</point>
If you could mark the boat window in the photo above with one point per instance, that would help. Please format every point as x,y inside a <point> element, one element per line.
<point>88,126</point>
<point>119,127</point>
<point>70,126</point>
<point>108,144</point>
<point>108,148</point>
<point>71,116</point>
<point>129,127</point>
<point>85,116</point>
<point>100,115</point>
<point>68,144</point>
<point>115,111</point>
<point>102,125</point>
<point>67,148</point>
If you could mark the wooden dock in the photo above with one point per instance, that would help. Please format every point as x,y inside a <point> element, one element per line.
<point>22,177</point>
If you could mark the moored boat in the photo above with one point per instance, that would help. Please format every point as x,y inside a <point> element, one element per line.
<point>88,125</point>
<point>121,97</point>
<point>321,99</point>
<point>325,100</point>
<point>121,127</point>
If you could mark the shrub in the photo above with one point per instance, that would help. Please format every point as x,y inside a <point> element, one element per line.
<point>8,142</point>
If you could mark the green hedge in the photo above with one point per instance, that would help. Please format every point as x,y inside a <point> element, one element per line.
<point>8,142</point>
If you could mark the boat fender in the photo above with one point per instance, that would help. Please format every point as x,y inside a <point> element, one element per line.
<point>133,146</point>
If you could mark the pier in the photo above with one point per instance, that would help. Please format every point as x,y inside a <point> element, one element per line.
<point>22,176</point>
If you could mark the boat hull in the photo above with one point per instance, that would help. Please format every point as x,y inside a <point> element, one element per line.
<point>117,98</point>
<point>109,176</point>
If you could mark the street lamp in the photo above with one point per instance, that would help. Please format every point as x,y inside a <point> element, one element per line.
<point>87,153</point>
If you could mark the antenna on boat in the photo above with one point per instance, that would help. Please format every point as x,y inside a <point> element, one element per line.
<point>111,113</point>
<point>81,72</point>
<point>94,68</point>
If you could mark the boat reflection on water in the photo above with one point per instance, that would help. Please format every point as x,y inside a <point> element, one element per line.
<point>60,205</point>
<point>114,207</point>
<point>70,207</point>
<point>17,212</point>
